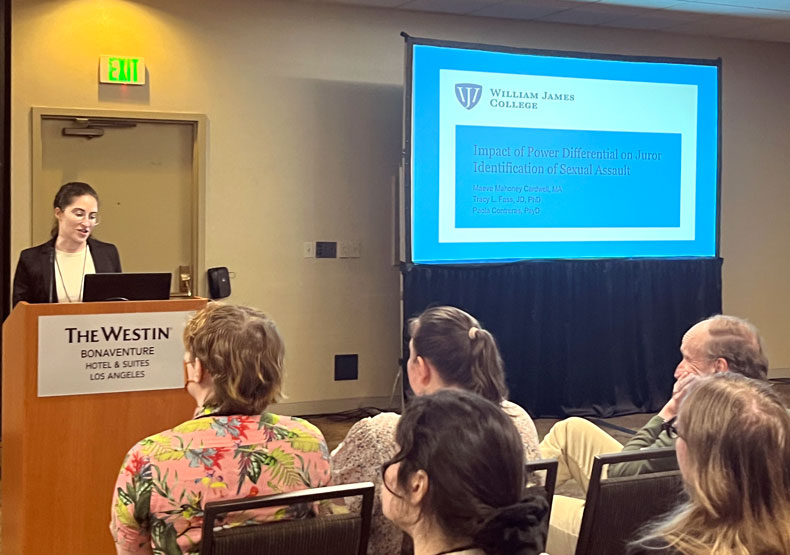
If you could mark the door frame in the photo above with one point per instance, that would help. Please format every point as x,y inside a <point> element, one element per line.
<point>199,123</point>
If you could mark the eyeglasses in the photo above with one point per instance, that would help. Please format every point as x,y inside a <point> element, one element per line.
<point>79,215</point>
<point>670,428</point>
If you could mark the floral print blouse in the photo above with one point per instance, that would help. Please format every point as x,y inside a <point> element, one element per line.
<point>167,478</point>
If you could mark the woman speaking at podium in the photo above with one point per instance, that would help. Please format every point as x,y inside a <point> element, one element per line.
<point>54,271</point>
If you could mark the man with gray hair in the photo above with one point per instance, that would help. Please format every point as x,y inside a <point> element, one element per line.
<point>718,344</point>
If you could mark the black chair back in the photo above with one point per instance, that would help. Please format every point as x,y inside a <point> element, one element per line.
<point>340,534</point>
<point>617,507</point>
<point>549,480</point>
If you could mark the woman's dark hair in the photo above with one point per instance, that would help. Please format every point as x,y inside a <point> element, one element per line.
<point>66,195</point>
<point>474,458</point>
<point>464,354</point>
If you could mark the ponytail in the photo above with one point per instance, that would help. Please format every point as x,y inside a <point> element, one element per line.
<point>486,368</point>
<point>464,354</point>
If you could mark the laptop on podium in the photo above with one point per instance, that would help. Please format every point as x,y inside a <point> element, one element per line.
<point>127,287</point>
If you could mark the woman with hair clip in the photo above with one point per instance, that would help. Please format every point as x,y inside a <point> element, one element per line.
<point>449,349</point>
<point>733,450</point>
<point>456,485</point>
<point>53,272</point>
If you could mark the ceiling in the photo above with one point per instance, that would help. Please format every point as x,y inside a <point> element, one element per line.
<point>766,20</point>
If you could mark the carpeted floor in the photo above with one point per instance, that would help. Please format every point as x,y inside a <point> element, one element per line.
<point>335,430</point>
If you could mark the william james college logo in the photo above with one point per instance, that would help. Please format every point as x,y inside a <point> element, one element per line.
<point>468,94</point>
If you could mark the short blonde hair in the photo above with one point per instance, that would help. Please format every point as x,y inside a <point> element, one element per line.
<point>243,353</point>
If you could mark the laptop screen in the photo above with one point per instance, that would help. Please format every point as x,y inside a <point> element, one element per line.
<point>127,287</point>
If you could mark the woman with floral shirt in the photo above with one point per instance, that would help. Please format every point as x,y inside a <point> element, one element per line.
<point>232,448</point>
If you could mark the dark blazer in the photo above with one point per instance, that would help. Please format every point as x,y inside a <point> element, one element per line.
<point>34,280</point>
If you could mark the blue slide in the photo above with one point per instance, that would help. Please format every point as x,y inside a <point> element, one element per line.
<point>512,177</point>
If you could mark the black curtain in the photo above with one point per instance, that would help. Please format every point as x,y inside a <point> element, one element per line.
<point>579,337</point>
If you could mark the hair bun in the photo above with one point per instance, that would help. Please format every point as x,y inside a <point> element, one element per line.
<point>518,529</point>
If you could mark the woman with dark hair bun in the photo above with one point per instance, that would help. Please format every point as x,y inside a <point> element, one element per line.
<point>449,349</point>
<point>54,271</point>
<point>456,485</point>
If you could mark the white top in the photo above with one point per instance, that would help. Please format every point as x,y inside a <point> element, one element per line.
<point>70,269</point>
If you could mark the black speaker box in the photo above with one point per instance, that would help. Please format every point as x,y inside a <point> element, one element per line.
<point>218,282</point>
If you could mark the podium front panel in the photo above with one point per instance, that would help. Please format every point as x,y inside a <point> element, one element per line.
<point>62,454</point>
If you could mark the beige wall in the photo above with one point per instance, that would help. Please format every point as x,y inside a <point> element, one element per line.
<point>304,105</point>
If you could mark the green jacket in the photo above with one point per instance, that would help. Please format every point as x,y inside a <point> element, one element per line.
<point>649,437</point>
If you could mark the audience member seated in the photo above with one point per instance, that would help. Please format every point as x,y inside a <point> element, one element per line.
<point>457,482</point>
<point>718,344</point>
<point>448,349</point>
<point>232,448</point>
<point>733,449</point>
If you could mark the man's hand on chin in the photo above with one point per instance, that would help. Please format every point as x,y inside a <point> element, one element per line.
<point>679,391</point>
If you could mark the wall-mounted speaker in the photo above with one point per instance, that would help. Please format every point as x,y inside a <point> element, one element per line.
<point>218,282</point>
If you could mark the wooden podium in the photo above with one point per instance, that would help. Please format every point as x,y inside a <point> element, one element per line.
<point>61,455</point>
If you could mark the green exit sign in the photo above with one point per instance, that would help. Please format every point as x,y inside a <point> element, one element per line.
<point>122,70</point>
